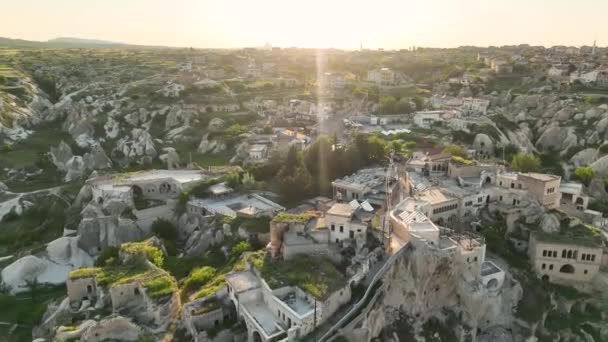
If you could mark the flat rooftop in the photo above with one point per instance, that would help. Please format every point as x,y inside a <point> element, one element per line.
<point>541,176</point>
<point>365,178</point>
<point>571,188</point>
<point>298,304</point>
<point>242,281</point>
<point>433,196</point>
<point>123,180</point>
<point>236,203</point>
<point>262,315</point>
<point>341,209</point>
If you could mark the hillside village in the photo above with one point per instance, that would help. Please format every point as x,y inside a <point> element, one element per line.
<point>285,194</point>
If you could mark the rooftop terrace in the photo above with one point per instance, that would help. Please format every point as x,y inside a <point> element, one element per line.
<point>297,303</point>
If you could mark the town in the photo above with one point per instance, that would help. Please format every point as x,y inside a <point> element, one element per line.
<point>287,194</point>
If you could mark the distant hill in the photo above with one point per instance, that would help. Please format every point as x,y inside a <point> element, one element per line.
<point>67,42</point>
<point>82,41</point>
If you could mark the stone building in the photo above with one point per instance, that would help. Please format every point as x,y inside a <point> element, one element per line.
<point>344,223</point>
<point>544,187</point>
<point>282,314</point>
<point>564,260</point>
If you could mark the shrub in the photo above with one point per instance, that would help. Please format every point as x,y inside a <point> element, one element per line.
<point>107,254</point>
<point>199,277</point>
<point>240,248</point>
<point>584,174</point>
<point>456,150</point>
<point>525,163</point>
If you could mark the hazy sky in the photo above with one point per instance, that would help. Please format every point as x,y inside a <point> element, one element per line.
<point>311,23</point>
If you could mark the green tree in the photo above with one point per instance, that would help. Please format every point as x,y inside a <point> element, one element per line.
<point>240,248</point>
<point>524,162</point>
<point>164,229</point>
<point>109,253</point>
<point>388,105</point>
<point>419,101</point>
<point>584,174</point>
<point>509,151</point>
<point>456,150</point>
<point>403,106</point>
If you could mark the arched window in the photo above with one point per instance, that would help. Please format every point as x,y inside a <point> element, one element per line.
<point>567,269</point>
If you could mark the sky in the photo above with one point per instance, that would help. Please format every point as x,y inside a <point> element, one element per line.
<point>388,24</point>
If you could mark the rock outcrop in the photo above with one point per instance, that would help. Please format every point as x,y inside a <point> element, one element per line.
<point>558,139</point>
<point>113,329</point>
<point>549,223</point>
<point>60,155</point>
<point>425,283</point>
<point>584,157</point>
<point>62,256</point>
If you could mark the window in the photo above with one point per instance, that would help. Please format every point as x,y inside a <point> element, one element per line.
<point>475,259</point>
<point>585,271</point>
<point>550,267</point>
<point>593,257</point>
<point>501,197</point>
<point>583,256</point>
<point>544,252</point>
<point>564,253</point>
<point>543,266</point>
<point>333,227</point>
<point>555,254</point>
<point>480,199</point>
<point>500,183</point>
<point>341,229</point>
<point>512,185</point>
<point>136,291</point>
<point>351,234</point>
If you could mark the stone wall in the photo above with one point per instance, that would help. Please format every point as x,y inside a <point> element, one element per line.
<point>79,289</point>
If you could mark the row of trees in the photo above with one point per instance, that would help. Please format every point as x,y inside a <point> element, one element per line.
<point>302,174</point>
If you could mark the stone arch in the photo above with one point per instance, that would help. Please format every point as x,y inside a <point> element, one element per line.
<point>137,190</point>
<point>492,283</point>
<point>580,201</point>
<point>452,220</point>
<point>567,268</point>
<point>257,337</point>
<point>488,180</point>
<point>164,188</point>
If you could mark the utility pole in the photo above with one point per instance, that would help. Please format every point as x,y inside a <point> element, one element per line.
<point>314,325</point>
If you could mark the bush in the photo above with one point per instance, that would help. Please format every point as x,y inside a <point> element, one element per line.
<point>199,277</point>
<point>584,174</point>
<point>456,150</point>
<point>240,248</point>
<point>525,163</point>
<point>107,256</point>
